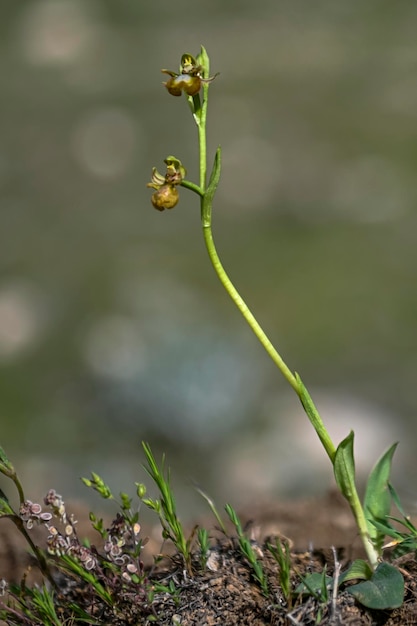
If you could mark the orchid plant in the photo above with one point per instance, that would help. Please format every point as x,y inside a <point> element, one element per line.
<point>194,81</point>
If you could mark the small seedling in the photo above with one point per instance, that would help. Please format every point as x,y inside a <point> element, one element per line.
<point>323,589</point>
<point>204,545</point>
<point>248,550</point>
<point>165,507</point>
<point>280,550</point>
<point>170,590</point>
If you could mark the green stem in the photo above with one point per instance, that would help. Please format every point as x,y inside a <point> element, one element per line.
<point>294,380</point>
<point>193,187</point>
<point>206,203</point>
<point>315,419</point>
<point>201,121</point>
<point>19,488</point>
<point>43,565</point>
<point>359,515</point>
<point>202,141</point>
<point>244,309</point>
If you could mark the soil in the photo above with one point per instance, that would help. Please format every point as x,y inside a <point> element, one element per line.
<point>225,592</point>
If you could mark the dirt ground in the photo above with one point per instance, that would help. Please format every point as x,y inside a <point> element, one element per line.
<point>225,593</point>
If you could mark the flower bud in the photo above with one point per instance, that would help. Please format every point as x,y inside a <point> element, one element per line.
<point>140,490</point>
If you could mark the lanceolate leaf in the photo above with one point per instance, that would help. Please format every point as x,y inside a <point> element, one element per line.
<point>377,501</point>
<point>5,508</point>
<point>344,467</point>
<point>215,174</point>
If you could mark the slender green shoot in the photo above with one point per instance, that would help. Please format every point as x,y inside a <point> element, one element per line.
<point>44,606</point>
<point>280,550</point>
<point>73,566</point>
<point>98,484</point>
<point>166,507</point>
<point>248,550</point>
<point>213,509</point>
<point>203,543</point>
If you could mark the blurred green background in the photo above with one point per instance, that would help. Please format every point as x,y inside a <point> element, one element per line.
<point>113,327</point>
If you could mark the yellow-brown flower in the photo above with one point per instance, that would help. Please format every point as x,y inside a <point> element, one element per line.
<point>188,80</point>
<point>166,195</point>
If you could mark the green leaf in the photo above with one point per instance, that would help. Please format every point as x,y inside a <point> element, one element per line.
<point>5,508</point>
<point>6,466</point>
<point>315,584</point>
<point>344,467</point>
<point>4,459</point>
<point>234,519</point>
<point>215,174</point>
<point>204,61</point>
<point>359,569</point>
<point>194,102</point>
<point>396,499</point>
<point>385,589</point>
<point>377,501</point>
<point>314,417</point>
<point>406,521</point>
<point>387,529</point>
